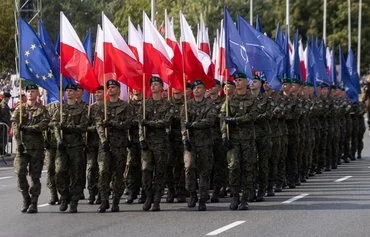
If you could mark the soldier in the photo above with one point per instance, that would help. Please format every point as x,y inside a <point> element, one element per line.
<point>154,144</point>
<point>68,132</point>
<point>5,116</point>
<point>28,132</point>
<point>229,88</point>
<point>196,134</point>
<point>92,146</point>
<point>133,165</point>
<point>361,128</point>
<point>238,134</point>
<point>175,165</point>
<point>112,126</point>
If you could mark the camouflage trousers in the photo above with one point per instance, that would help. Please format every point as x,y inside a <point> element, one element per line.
<point>68,166</point>
<point>329,147</point>
<point>291,161</point>
<point>322,149</point>
<point>354,137</point>
<point>111,168</point>
<point>309,151</point>
<point>198,161</point>
<point>29,163</point>
<point>50,157</point>
<point>281,162</point>
<point>242,159</point>
<point>360,137</point>
<point>315,150</point>
<point>92,170</point>
<point>263,148</point>
<point>273,162</point>
<point>82,173</point>
<point>133,169</point>
<point>175,173</point>
<point>219,169</point>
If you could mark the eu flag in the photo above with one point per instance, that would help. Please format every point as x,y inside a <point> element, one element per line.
<point>345,76</point>
<point>352,70</point>
<point>33,62</point>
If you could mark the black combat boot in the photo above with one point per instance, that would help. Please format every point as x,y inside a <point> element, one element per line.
<point>260,196</point>
<point>148,202</point>
<point>181,196</point>
<point>73,207</point>
<point>26,202</point>
<point>270,192</point>
<point>170,195</point>
<point>234,201</point>
<point>103,206</point>
<point>115,206</point>
<point>156,202</point>
<point>82,196</point>
<point>202,204</point>
<point>243,202</point>
<point>63,204</point>
<point>142,197</point>
<point>98,200</point>
<point>91,198</point>
<point>359,155</point>
<point>278,188</point>
<point>193,199</point>
<point>223,192</point>
<point>131,197</point>
<point>53,197</point>
<point>33,207</point>
<point>216,195</point>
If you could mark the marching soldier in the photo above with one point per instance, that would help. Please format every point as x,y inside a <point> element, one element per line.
<point>5,116</point>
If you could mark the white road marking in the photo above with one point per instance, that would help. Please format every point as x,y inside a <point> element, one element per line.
<point>225,228</point>
<point>43,205</point>
<point>342,179</point>
<point>44,171</point>
<point>6,168</point>
<point>295,198</point>
<point>6,177</point>
<point>369,167</point>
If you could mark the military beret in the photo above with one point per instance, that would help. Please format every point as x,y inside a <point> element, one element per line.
<point>229,82</point>
<point>188,85</point>
<point>259,76</point>
<point>155,79</point>
<point>100,88</point>
<point>32,87</point>
<point>7,95</point>
<point>112,82</point>
<point>217,82</point>
<point>333,87</point>
<point>239,75</point>
<point>296,79</point>
<point>197,83</point>
<point>79,87</point>
<point>71,86</point>
<point>308,84</point>
<point>324,84</point>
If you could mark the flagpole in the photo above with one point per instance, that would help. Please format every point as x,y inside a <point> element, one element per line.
<point>251,12</point>
<point>287,16</point>
<point>60,72</point>
<point>144,87</point>
<point>324,24</point>
<point>104,76</point>
<point>349,24</point>
<point>359,38</point>
<point>153,11</point>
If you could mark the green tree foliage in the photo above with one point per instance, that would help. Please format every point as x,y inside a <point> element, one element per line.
<point>7,31</point>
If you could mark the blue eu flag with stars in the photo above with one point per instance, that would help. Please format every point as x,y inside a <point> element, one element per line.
<point>33,63</point>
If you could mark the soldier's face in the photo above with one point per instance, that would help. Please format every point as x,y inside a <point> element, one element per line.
<point>79,93</point>
<point>99,95</point>
<point>266,87</point>
<point>136,92</point>
<point>286,87</point>
<point>214,90</point>
<point>324,91</point>
<point>71,94</point>
<point>240,83</point>
<point>229,89</point>
<point>156,87</point>
<point>177,94</point>
<point>199,91</point>
<point>113,90</point>
<point>164,94</point>
<point>32,94</point>
<point>294,88</point>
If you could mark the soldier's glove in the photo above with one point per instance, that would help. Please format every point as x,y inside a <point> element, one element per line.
<point>23,127</point>
<point>144,122</point>
<point>188,125</point>
<point>227,143</point>
<point>187,145</point>
<point>69,127</point>
<point>20,148</point>
<point>106,123</point>
<point>143,145</point>
<point>60,146</point>
<point>230,121</point>
<point>47,145</point>
<point>106,146</point>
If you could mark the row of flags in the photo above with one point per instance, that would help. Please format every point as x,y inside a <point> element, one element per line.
<point>236,48</point>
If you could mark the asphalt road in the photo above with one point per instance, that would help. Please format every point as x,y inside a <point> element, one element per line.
<point>335,203</point>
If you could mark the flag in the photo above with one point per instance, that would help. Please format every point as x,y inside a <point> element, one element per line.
<point>279,38</point>
<point>88,48</point>
<point>352,70</point>
<point>203,37</point>
<point>332,71</point>
<point>236,53</point>
<point>33,61</point>
<point>302,58</point>
<point>321,73</point>
<point>296,73</point>
<point>135,41</point>
<point>259,24</point>
<point>99,56</point>
<point>74,61</point>
<point>345,76</point>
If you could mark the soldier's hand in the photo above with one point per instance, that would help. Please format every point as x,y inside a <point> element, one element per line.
<point>143,145</point>
<point>106,123</point>
<point>187,145</point>
<point>188,125</point>
<point>46,145</point>
<point>20,148</point>
<point>60,146</point>
<point>144,122</point>
<point>230,121</point>
<point>227,143</point>
<point>106,146</point>
<point>23,127</point>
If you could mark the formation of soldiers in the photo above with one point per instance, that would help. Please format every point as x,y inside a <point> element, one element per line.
<point>253,141</point>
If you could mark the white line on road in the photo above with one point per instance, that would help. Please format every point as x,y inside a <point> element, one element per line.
<point>295,198</point>
<point>342,179</point>
<point>6,168</point>
<point>6,177</point>
<point>44,171</point>
<point>225,228</point>
<point>43,205</point>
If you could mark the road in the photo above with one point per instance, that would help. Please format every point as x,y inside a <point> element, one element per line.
<point>335,203</point>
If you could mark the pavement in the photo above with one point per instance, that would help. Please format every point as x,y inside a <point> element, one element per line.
<point>335,203</point>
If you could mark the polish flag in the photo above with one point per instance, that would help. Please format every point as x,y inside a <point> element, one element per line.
<point>301,59</point>
<point>99,56</point>
<point>73,58</point>
<point>220,63</point>
<point>196,62</point>
<point>157,54</point>
<point>135,41</point>
<point>176,79</point>
<point>119,56</point>
<point>204,44</point>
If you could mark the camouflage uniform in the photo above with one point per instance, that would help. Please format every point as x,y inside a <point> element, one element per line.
<point>241,156</point>
<point>154,144</point>
<point>70,153</point>
<point>361,129</point>
<point>354,130</point>
<point>330,133</point>
<point>82,172</point>
<point>113,133</point>
<point>316,126</point>
<point>347,140</point>
<point>198,159</point>
<point>323,107</point>
<point>30,154</point>
<point>336,132</point>
<point>305,141</point>
<point>4,118</point>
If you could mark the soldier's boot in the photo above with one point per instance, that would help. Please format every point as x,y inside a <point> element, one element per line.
<point>252,196</point>
<point>193,199</point>
<point>156,202</point>
<point>303,178</point>
<point>53,197</point>
<point>142,197</point>
<point>26,202</point>
<point>181,196</point>
<point>234,201</point>
<point>223,192</point>
<point>359,155</point>
<point>216,195</point>
<point>353,156</point>
<point>63,204</point>
<point>202,204</point>
<point>260,196</point>
<point>33,207</point>
<point>91,198</point>
<point>243,203</point>
<point>73,206</point>
<point>82,196</point>
<point>170,195</point>
<point>148,202</point>
<point>98,200</point>
<point>115,205</point>
<point>270,192</point>
<point>131,197</point>
<point>103,206</point>
<point>278,188</point>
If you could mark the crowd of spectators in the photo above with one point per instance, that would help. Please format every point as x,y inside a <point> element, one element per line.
<point>5,83</point>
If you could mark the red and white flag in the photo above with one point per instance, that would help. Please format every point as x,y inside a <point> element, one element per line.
<point>135,41</point>
<point>302,60</point>
<point>203,37</point>
<point>99,56</point>
<point>73,59</point>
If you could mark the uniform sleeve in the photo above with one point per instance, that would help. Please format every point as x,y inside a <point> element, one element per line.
<point>43,124</point>
<point>223,125</point>
<point>15,125</point>
<point>250,116</point>
<point>55,121</point>
<point>99,118</point>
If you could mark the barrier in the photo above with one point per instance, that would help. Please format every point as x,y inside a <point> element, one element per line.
<point>4,140</point>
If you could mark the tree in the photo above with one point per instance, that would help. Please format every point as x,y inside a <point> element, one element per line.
<point>7,31</point>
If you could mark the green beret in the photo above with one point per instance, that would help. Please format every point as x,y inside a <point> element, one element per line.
<point>32,86</point>
<point>71,86</point>
<point>155,79</point>
<point>239,75</point>
<point>7,95</point>
<point>197,83</point>
<point>112,82</point>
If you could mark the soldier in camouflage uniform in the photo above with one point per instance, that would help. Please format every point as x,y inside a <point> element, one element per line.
<point>219,170</point>
<point>238,134</point>
<point>68,132</point>
<point>4,118</point>
<point>133,165</point>
<point>112,126</point>
<point>175,166</point>
<point>196,135</point>
<point>354,129</point>
<point>92,146</point>
<point>154,144</point>
<point>361,128</point>
<point>28,133</point>
<point>323,106</point>
<point>263,133</point>
<point>335,123</point>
